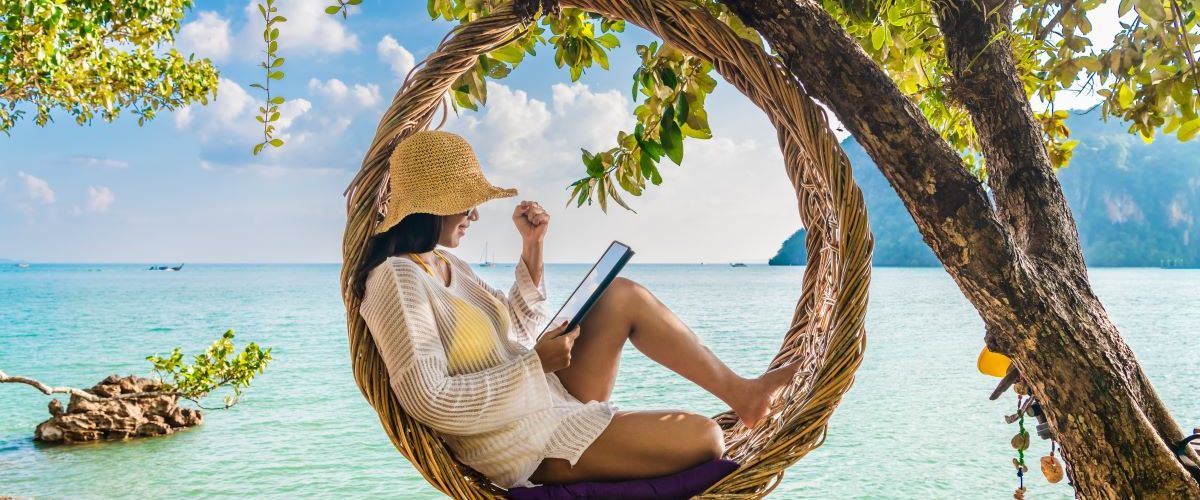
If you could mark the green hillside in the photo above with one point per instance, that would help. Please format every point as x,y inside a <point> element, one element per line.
<point>1135,204</point>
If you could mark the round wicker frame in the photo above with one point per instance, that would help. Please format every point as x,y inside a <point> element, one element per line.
<point>827,332</point>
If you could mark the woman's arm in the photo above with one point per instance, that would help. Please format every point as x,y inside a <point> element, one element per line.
<point>404,330</point>
<point>531,255</point>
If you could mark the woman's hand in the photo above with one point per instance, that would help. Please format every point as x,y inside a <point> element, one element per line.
<point>554,349</point>
<point>532,221</point>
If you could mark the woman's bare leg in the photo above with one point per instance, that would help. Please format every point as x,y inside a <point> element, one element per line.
<point>640,444</point>
<point>628,310</point>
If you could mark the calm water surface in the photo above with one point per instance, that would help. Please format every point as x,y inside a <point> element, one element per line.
<point>917,422</point>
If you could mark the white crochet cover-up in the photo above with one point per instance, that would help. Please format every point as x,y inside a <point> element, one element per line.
<point>460,359</point>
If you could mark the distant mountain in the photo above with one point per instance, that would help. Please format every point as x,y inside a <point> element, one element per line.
<point>1135,204</point>
<point>7,261</point>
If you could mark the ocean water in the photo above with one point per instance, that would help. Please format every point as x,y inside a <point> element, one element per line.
<point>916,424</point>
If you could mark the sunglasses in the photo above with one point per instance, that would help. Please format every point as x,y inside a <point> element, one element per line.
<point>470,212</point>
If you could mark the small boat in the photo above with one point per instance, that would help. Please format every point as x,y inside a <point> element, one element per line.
<point>176,268</point>
<point>22,264</point>
<point>486,262</point>
<point>165,268</point>
<point>736,264</point>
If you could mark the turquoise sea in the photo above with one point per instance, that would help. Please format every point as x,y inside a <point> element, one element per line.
<point>916,424</point>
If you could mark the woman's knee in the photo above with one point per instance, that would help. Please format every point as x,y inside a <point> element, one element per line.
<point>626,290</point>
<point>707,440</point>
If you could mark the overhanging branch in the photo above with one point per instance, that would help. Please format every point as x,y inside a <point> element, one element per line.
<point>48,390</point>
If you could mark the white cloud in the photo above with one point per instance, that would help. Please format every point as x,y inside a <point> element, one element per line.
<point>37,189</point>
<point>98,161</point>
<point>100,198</point>
<point>516,134</point>
<point>735,181</point>
<point>308,30</point>
<point>226,130</point>
<point>230,116</point>
<point>398,57</point>
<point>337,92</point>
<point>208,36</point>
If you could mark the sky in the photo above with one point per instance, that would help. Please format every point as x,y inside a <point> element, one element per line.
<point>185,188</point>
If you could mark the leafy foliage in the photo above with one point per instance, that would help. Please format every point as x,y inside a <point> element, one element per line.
<point>268,113</point>
<point>215,368</point>
<point>671,85</point>
<point>1148,78</point>
<point>95,58</point>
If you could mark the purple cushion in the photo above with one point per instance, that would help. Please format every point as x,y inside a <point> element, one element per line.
<point>683,484</point>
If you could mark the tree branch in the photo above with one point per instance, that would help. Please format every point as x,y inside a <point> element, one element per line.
<point>1029,199</point>
<point>48,390</point>
<point>1049,27</point>
<point>948,204</point>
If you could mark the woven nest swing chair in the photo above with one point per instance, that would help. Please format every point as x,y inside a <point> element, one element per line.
<point>826,331</point>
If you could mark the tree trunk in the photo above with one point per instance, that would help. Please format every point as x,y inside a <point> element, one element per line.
<point>1018,263</point>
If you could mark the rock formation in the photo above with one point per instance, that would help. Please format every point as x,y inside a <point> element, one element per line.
<point>153,414</point>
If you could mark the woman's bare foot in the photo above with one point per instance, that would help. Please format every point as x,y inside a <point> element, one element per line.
<point>757,394</point>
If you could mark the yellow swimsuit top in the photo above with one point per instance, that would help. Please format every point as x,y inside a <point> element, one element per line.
<point>474,338</point>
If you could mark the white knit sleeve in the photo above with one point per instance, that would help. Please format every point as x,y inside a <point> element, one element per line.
<point>526,304</point>
<point>400,317</point>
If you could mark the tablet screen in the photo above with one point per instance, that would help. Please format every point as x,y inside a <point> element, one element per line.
<point>601,272</point>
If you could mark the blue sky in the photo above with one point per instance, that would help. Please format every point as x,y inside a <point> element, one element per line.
<point>184,188</point>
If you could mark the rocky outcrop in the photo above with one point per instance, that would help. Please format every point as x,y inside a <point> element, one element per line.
<point>122,418</point>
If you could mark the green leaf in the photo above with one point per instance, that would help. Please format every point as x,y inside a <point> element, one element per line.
<point>595,167</point>
<point>276,142</point>
<point>600,56</point>
<point>1124,96</point>
<point>667,76</point>
<point>671,137</point>
<point>1189,130</point>
<point>609,41</point>
<point>601,193</point>
<point>654,149</point>
<point>333,9</point>
<point>877,37</point>
<point>681,108</point>
<point>1152,9</point>
<point>646,163</point>
<point>511,53</point>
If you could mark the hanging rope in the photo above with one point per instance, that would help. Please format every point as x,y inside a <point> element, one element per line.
<point>826,333</point>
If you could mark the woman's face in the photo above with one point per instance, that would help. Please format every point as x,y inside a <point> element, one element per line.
<point>454,227</point>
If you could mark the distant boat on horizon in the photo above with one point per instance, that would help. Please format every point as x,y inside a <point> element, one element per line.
<point>166,268</point>
<point>485,261</point>
<point>22,264</point>
<point>737,264</point>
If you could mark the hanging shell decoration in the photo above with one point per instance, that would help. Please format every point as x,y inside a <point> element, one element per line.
<point>1020,466</point>
<point>1052,469</point>
<point>1021,441</point>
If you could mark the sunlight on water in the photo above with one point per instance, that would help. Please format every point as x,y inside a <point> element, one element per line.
<point>917,422</point>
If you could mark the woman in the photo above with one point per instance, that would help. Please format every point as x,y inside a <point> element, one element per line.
<point>462,357</point>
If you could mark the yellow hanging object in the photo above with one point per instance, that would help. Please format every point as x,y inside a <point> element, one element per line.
<point>1052,469</point>
<point>993,363</point>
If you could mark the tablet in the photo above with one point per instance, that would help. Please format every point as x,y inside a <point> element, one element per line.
<point>592,287</point>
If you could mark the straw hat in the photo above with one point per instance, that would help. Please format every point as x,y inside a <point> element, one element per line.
<point>434,172</point>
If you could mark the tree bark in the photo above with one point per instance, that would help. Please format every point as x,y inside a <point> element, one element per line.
<point>1018,263</point>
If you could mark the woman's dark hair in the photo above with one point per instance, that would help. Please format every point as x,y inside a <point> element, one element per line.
<point>416,233</point>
